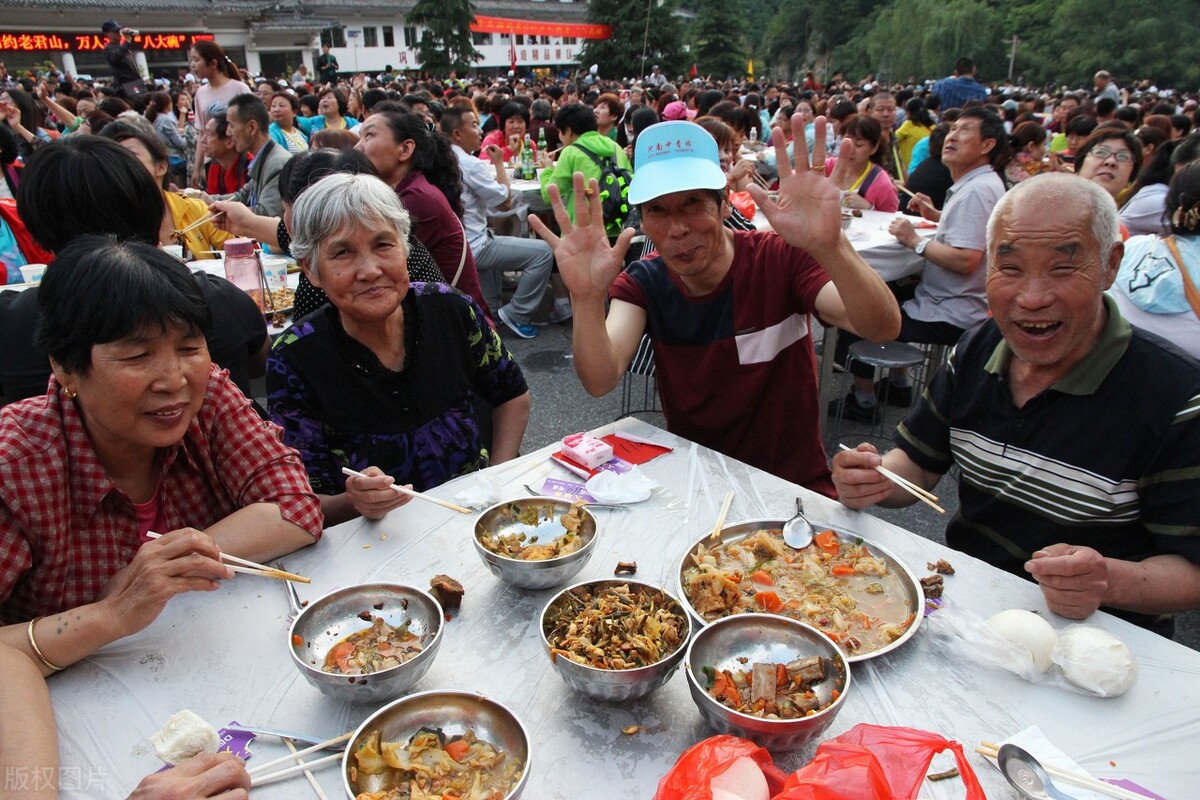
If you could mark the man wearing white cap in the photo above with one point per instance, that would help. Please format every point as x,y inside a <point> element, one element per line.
<point>728,312</point>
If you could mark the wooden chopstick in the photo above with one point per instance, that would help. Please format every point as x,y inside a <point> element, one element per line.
<point>760,180</point>
<point>258,779</point>
<point>411,493</point>
<point>906,190</point>
<point>1086,781</point>
<point>307,773</point>
<point>259,769</point>
<point>252,567</point>
<point>721,517</point>
<point>199,222</point>
<point>926,497</point>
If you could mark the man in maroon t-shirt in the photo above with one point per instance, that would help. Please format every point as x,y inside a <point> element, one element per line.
<point>727,312</point>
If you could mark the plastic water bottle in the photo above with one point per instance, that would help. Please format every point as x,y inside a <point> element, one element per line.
<point>243,269</point>
<point>753,139</point>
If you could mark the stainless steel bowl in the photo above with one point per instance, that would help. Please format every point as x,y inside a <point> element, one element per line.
<point>768,639</point>
<point>614,685</point>
<point>501,519</point>
<point>738,531</point>
<point>454,713</point>
<point>332,618</point>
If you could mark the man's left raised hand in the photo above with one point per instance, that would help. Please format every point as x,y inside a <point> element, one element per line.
<point>808,213</point>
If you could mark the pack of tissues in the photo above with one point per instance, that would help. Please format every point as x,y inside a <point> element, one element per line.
<point>586,450</point>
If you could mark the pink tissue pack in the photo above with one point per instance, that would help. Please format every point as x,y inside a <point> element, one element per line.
<point>586,450</point>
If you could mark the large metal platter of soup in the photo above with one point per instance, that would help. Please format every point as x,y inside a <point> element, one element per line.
<point>437,745</point>
<point>853,591</point>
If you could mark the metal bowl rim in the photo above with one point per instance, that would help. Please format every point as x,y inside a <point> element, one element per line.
<point>587,668</point>
<point>725,538</point>
<point>358,732</point>
<point>557,560</point>
<point>433,645</point>
<point>831,710</point>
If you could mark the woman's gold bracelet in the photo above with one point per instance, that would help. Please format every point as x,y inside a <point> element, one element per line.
<point>37,650</point>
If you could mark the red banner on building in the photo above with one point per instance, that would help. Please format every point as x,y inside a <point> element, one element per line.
<point>530,27</point>
<point>36,41</point>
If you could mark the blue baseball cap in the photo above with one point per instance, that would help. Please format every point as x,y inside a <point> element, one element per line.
<point>676,156</point>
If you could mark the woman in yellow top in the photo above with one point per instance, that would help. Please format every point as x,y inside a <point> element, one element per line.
<point>918,124</point>
<point>200,242</point>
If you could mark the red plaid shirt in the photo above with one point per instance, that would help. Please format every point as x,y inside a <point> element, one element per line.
<point>65,529</point>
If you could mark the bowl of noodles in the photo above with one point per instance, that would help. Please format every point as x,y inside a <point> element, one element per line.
<point>438,744</point>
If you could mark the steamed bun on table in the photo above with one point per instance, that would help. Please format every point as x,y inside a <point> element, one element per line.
<point>1095,660</point>
<point>1027,632</point>
<point>185,735</point>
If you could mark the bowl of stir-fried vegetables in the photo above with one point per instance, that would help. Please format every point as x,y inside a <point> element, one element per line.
<point>853,591</point>
<point>614,639</point>
<point>535,542</point>
<point>770,679</point>
<point>368,642</point>
<point>438,744</point>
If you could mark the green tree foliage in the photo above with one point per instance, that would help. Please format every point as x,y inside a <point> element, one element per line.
<point>716,37</point>
<point>446,42</point>
<point>621,55</point>
<point>1060,41</point>
<point>922,38</point>
<point>1129,38</point>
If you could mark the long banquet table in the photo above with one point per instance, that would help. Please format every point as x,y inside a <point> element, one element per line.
<point>224,654</point>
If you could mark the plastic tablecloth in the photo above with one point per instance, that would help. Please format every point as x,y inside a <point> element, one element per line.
<point>224,654</point>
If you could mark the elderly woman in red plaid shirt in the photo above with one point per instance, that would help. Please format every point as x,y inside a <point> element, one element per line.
<point>138,432</point>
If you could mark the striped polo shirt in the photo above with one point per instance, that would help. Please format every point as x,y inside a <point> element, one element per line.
<point>1108,457</point>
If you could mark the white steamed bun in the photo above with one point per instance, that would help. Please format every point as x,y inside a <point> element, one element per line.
<point>1095,660</point>
<point>1026,631</point>
<point>184,736</point>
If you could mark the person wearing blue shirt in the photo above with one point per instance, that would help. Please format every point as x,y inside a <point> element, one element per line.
<point>961,87</point>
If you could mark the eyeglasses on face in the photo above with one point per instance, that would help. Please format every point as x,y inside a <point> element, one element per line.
<point>1123,156</point>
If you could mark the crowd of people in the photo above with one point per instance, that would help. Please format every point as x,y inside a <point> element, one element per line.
<point>1063,275</point>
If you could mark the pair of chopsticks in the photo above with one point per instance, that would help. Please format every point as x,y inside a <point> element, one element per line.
<point>250,567</point>
<point>261,773</point>
<point>906,190</point>
<point>926,497</point>
<point>411,493</point>
<point>716,531</point>
<point>760,180</point>
<point>199,222</point>
<point>992,751</point>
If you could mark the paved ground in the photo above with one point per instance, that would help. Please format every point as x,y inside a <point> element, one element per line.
<point>561,406</point>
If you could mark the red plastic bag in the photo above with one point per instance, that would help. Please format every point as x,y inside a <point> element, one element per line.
<point>875,762</point>
<point>744,203</point>
<point>689,779</point>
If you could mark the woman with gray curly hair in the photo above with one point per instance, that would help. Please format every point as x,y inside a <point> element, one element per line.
<point>400,381</point>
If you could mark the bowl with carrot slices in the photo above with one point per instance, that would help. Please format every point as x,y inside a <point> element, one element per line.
<point>767,678</point>
<point>367,642</point>
<point>853,591</point>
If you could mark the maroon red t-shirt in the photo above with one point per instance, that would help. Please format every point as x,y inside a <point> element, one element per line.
<point>442,234</point>
<point>736,368</point>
